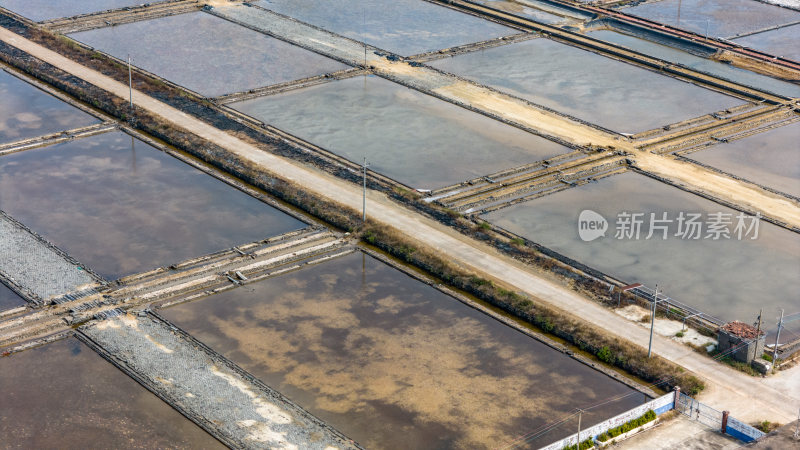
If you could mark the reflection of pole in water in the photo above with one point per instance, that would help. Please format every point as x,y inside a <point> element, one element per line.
<point>363,270</point>
<point>678,22</point>
<point>133,154</point>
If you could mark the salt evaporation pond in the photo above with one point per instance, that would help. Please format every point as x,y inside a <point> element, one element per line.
<point>709,66</point>
<point>600,90</point>
<point>207,54</point>
<point>728,278</point>
<point>394,363</point>
<point>722,18</point>
<point>38,10</point>
<point>64,395</point>
<point>120,206</point>
<point>411,137</point>
<point>783,42</point>
<point>405,27</point>
<point>548,14</point>
<point>9,299</point>
<point>771,159</point>
<point>28,112</point>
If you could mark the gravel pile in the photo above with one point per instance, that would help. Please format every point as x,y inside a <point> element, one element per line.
<point>36,266</point>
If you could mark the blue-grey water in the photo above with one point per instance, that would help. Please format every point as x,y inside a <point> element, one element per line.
<point>207,54</point>
<point>27,112</point>
<point>412,137</point>
<point>121,206</point>
<point>405,27</point>
<point>600,90</point>
<point>728,278</point>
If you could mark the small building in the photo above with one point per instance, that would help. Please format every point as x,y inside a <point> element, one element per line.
<point>744,342</point>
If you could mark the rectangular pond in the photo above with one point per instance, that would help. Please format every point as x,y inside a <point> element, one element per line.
<point>27,112</point>
<point>121,206</point>
<point>600,90</point>
<point>394,363</point>
<point>411,137</point>
<point>720,18</point>
<point>771,159</point>
<point>64,395</point>
<point>38,10</point>
<point>207,54</point>
<point>709,66</point>
<point>8,298</point>
<point>405,27</point>
<point>783,42</point>
<point>727,278</point>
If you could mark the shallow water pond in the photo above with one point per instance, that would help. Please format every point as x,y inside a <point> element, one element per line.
<point>783,42</point>
<point>8,298</point>
<point>207,54</point>
<point>600,90</point>
<point>698,63</point>
<point>392,362</point>
<point>411,137</point>
<point>27,112</point>
<point>771,158</point>
<point>721,18</point>
<point>728,278</point>
<point>38,10</point>
<point>405,27</point>
<point>64,395</point>
<point>120,206</point>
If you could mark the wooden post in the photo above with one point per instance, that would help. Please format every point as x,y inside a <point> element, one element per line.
<point>724,425</point>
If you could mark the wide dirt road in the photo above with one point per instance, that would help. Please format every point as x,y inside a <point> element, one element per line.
<point>748,398</point>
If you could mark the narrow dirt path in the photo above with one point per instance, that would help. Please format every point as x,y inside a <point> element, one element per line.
<point>749,397</point>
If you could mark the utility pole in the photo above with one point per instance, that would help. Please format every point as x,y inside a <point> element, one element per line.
<point>580,413</point>
<point>130,82</point>
<point>364,205</point>
<point>775,350</point>
<point>652,323</point>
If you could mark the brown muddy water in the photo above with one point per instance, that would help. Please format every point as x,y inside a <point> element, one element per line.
<point>728,278</point>
<point>600,90</point>
<point>64,395</point>
<point>405,27</point>
<point>27,112</point>
<point>771,159</point>
<point>207,54</point>
<point>783,42</point>
<point>411,137</point>
<point>38,10</point>
<point>120,206</point>
<point>9,299</point>
<point>722,18</point>
<point>394,363</point>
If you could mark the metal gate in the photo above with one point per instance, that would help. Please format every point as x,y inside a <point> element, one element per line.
<point>698,411</point>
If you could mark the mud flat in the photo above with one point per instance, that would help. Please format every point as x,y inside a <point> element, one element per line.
<point>770,158</point>
<point>207,54</point>
<point>723,18</point>
<point>727,278</point>
<point>394,363</point>
<point>28,112</point>
<point>405,27</point>
<point>38,10</point>
<point>413,138</point>
<point>699,63</point>
<point>121,206</point>
<point>600,90</point>
<point>784,42</point>
<point>9,299</point>
<point>64,395</point>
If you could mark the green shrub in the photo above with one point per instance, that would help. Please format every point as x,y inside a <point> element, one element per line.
<point>605,355</point>
<point>588,443</point>
<point>649,416</point>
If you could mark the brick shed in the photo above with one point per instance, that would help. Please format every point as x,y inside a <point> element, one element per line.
<point>746,339</point>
